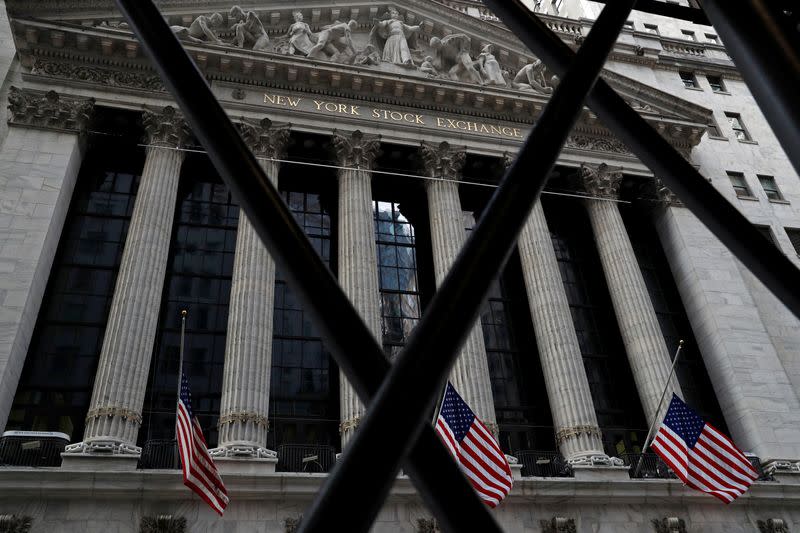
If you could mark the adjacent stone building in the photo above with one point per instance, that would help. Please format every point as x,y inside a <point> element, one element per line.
<point>386,127</point>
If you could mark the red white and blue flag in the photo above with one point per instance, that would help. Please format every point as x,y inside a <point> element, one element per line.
<point>474,448</point>
<point>700,455</point>
<point>199,471</point>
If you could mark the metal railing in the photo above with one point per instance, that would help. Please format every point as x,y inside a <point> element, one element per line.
<point>159,454</point>
<point>305,458</point>
<point>646,466</point>
<point>543,464</point>
<point>31,448</point>
<point>396,428</point>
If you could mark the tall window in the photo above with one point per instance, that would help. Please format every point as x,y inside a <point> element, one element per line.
<point>713,128</point>
<point>689,80</point>
<point>739,130</point>
<point>304,390</point>
<point>691,370</point>
<point>739,185</point>
<point>794,237</point>
<point>770,188</point>
<point>397,275</point>
<point>56,384</point>
<point>198,280</point>
<point>717,84</point>
<point>616,402</point>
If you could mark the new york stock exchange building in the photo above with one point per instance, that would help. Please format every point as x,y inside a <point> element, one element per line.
<point>386,127</point>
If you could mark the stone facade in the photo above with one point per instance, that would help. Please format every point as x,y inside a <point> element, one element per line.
<point>445,74</point>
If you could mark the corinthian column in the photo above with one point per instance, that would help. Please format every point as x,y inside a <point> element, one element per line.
<point>470,374</point>
<point>115,413</point>
<point>244,407</point>
<point>644,342</point>
<point>358,263</point>
<point>577,433</point>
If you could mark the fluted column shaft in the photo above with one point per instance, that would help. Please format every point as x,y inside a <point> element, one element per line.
<point>357,255</point>
<point>115,413</point>
<point>244,407</point>
<point>470,374</point>
<point>644,342</point>
<point>577,432</point>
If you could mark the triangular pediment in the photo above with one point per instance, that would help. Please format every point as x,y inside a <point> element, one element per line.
<point>417,52</point>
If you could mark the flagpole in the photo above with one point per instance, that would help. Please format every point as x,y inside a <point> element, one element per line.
<point>438,409</point>
<point>184,313</point>
<point>658,409</point>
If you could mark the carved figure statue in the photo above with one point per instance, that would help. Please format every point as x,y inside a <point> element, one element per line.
<point>334,42</point>
<point>490,67</point>
<point>532,77</point>
<point>427,67</point>
<point>391,37</point>
<point>248,29</point>
<point>301,39</point>
<point>369,56</point>
<point>452,56</point>
<point>201,30</point>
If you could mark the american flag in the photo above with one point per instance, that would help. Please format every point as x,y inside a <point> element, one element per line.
<point>199,471</point>
<point>474,448</point>
<point>700,455</point>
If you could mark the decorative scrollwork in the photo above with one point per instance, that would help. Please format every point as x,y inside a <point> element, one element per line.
<point>576,431</point>
<point>125,414</point>
<point>102,76</point>
<point>356,150</point>
<point>443,161</point>
<point>601,181</point>
<point>49,110</point>
<point>165,127</point>
<point>244,417</point>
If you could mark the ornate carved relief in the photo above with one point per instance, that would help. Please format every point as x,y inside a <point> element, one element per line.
<point>162,524</point>
<point>602,181</point>
<point>664,194</point>
<point>165,127</point>
<point>390,37</point>
<point>451,58</point>
<point>12,523</point>
<point>533,77</point>
<point>427,525</point>
<point>202,29</point>
<point>576,431</point>
<point>558,524</point>
<point>247,29</point>
<point>356,150</point>
<point>105,76</point>
<point>669,524</point>
<point>49,110</point>
<point>597,144</point>
<point>264,138</point>
<point>442,161</point>
<point>292,525</point>
<point>772,525</point>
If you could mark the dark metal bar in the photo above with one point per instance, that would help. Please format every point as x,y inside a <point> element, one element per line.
<point>360,482</point>
<point>765,260</point>
<point>770,62</point>
<point>358,354</point>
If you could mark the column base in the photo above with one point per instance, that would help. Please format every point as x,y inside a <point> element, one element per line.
<point>598,467</point>
<point>100,455</point>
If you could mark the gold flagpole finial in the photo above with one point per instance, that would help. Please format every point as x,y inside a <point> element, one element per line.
<point>184,312</point>
<point>680,343</point>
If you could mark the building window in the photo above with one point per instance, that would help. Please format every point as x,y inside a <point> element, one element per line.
<point>794,237</point>
<point>717,84</point>
<point>770,188</point>
<point>651,28</point>
<point>198,279</point>
<point>740,185</point>
<point>689,35</point>
<point>710,37</point>
<point>397,279</point>
<point>629,25</point>
<point>56,384</point>
<point>689,80</point>
<point>767,233</point>
<point>713,129</point>
<point>738,126</point>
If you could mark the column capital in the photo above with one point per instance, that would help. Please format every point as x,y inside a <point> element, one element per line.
<point>442,160</point>
<point>165,127</point>
<point>265,138</point>
<point>601,180</point>
<point>665,195</point>
<point>356,149</point>
<point>49,110</point>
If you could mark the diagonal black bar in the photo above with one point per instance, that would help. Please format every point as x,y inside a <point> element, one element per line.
<point>765,260</point>
<point>770,62</point>
<point>433,471</point>
<point>361,480</point>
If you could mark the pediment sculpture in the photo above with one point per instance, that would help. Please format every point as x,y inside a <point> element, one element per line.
<point>391,37</point>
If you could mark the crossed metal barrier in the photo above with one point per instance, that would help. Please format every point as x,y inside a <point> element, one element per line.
<point>396,428</point>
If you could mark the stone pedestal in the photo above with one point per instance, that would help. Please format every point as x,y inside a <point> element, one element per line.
<point>243,422</point>
<point>644,342</point>
<point>115,413</point>
<point>93,461</point>
<point>247,465</point>
<point>599,472</point>
<point>358,263</point>
<point>470,374</point>
<point>568,392</point>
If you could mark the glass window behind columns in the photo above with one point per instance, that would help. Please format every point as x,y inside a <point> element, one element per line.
<point>616,402</point>
<point>198,279</point>
<point>55,388</point>
<point>691,370</point>
<point>304,390</point>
